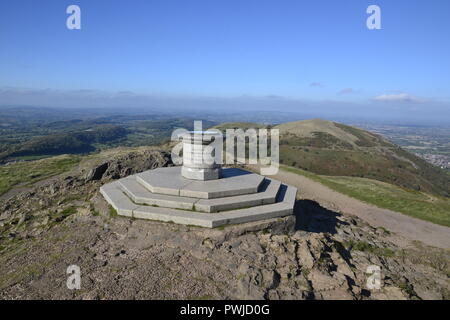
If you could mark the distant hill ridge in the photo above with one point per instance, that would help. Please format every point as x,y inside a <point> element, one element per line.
<point>331,148</point>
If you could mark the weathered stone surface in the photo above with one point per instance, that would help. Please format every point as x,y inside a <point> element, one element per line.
<point>141,195</point>
<point>124,206</point>
<point>130,163</point>
<point>195,166</point>
<point>266,196</point>
<point>117,199</point>
<point>202,174</point>
<point>114,193</point>
<point>169,181</point>
<point>97,172</point>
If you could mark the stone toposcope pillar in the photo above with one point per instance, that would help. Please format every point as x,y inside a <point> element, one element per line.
<point>198,162</point>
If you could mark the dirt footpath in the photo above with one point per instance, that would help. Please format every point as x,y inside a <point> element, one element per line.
<point>408,227</point>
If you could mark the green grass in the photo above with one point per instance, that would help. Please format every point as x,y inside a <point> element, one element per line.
<point>410,202</point>
<point>366,247</point>
<point>93,211</point>
<point>63,214</point>
<point>112,212</point>
<point>32,158</point>
<point>26,173</point>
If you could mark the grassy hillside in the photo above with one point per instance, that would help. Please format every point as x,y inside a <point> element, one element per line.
<point>31,138</point>
<point>76,141</point>
<point>412,203</point>
<point>329,148</point>
<point>26,173</point>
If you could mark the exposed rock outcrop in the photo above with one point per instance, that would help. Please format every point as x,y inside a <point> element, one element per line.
<point>131,163</point>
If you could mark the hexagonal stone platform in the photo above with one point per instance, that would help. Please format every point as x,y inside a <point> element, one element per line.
<point>170,182</point>
<point>139,194</point>
<point>237,200</point>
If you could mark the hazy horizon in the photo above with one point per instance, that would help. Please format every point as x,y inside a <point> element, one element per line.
<point>316,58</point>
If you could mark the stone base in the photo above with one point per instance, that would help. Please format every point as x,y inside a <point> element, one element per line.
<point>139,194</point>
<point>200,174</point>
<point>164,195</point>
<point>169,181</point>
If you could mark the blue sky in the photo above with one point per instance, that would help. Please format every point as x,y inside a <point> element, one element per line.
<point>297,50</point>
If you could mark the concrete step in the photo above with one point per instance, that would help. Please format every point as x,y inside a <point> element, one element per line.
<point>139,194</point>
<point>267,194</point>
<point>115,196</point>
<point>169,181</point>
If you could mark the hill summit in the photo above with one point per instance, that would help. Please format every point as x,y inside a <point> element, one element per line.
<point>330,148</point>
<point>316,253</point>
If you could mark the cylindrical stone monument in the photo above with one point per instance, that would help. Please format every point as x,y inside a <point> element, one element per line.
<point>199,164</point>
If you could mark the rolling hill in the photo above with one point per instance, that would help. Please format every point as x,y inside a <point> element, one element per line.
<point>77,141</point>
<point>333,149</point>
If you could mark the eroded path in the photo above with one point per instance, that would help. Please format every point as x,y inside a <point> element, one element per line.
<point>408,227</point>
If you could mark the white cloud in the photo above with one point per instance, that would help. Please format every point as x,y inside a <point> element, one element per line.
<point>399,97</point>
<point>316,84</point>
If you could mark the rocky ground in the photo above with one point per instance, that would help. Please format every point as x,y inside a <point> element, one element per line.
<point>315,254</point>
<point>400,224</point>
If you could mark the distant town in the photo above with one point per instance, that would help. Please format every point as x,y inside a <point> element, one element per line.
<point>429,143</point>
